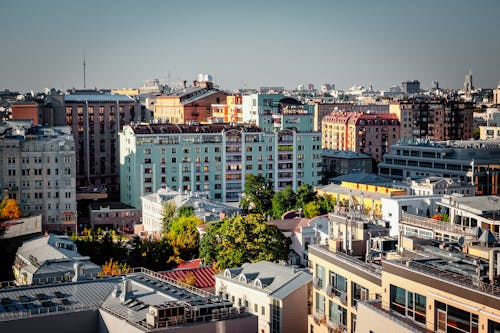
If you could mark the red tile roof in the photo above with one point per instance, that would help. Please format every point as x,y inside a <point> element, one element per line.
<point>204,276</point>
<point>195,263</point>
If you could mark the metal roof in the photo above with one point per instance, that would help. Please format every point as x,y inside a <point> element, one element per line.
<point>203,276</point>
<point>278,281</point>
<point>96,98</point>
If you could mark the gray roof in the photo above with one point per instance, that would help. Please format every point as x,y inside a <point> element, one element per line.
<point>278,281</point>
<point>46,248</point>
<point>478,205</point>
<point>345,154</point>
<point>362,178</point>
<point>78,295</point>
<point>147,288</point>
<point>96,98</point>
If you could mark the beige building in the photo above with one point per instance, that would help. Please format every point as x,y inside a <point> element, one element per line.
<point>277,294</point>
<point>421,288</point>
<point>489,132</point>
<point>418,298</point>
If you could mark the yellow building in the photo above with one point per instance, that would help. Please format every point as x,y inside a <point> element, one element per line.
<point>369,195</point>
<point>230,112</point>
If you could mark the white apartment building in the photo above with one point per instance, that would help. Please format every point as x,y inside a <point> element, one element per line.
<point>277,294</point>
<point>37,169</point>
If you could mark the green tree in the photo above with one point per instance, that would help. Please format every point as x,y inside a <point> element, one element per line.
<point>326,203</point>
<point>185,211</point>
<point>184,238</point>
<point>311,209</point>
<point>283,201</point>
<point>305,194</point>
<point>232,242</point>
<point>258,195</point>
<point>168,214</point>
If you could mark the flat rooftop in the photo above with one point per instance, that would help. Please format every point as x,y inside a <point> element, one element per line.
<point>478,205</point>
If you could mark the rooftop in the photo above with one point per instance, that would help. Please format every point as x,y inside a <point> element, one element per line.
<point>191,128</point>
<point>131,298</point>
<point>109,205</point>
<point>347,154</point>
<point>276,280</point>
<point>362,178</point>
<point>477,205</point>
<point>203,276</point>
<point>97,98</point>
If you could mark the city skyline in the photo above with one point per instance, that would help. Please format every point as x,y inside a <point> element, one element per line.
<point>248,44</point>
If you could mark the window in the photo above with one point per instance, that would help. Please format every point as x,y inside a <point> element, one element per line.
<point>262,310</point>
<point>320,277</point>
<point>409,304</point>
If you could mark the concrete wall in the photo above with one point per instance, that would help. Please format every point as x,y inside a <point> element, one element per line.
<point>370,320</point>
<point>294,311</point>
<point>75,322</point>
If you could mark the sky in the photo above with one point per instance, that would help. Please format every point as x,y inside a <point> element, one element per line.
<point>248,43</point>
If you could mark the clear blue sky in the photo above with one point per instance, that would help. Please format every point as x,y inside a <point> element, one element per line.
<point>248,43</point>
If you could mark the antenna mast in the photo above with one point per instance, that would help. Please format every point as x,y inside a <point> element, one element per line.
<point>84,79</point>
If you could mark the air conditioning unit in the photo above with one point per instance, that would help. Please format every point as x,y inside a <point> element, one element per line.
<point>329,290</point>
<point>343,297</point>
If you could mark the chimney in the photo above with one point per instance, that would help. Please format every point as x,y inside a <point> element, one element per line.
<point>126,289</point>
<point>78,269</point>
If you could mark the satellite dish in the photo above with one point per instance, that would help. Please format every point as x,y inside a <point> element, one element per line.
<point>461,241</point>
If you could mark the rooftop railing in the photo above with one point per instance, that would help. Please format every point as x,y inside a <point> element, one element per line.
<point>450,277</point>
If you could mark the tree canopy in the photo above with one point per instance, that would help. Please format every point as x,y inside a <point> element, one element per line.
<point>232,242</point>
<point>283,201</point>
<point>9,210</point>
<point>305,194</point>
<point>258,195</point>
<point>184,238</point>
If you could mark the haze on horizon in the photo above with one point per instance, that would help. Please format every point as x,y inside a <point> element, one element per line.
<point>248,44</point>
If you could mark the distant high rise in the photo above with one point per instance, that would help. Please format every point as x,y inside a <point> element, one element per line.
<point>411,87</point>
<point>435,84</point>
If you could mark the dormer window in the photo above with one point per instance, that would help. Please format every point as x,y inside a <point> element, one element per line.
<point>258,283</point>
<point>227,274</point>
<point>243,278</point>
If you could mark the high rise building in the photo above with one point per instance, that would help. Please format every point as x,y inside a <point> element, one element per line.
<point>410,87</point>
<point>37,169</point>
<point>95,120</point>
<point>214,158</point>
<point>434,119</point>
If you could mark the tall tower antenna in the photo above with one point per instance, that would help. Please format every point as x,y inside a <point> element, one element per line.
<point>84,79</point>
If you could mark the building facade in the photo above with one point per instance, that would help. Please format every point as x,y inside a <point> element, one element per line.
<point>188,104</point>
<point>95,120</point>
<point>275,293</point>
<point>437,119</point>
<point>37,169</point>
<point>410,87</point>
<point>370,134</point>
<point>113,215</point>
<point>27,110</point>
<point>214,158</point>
<point>323,109</point>
<point>469,161</point>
